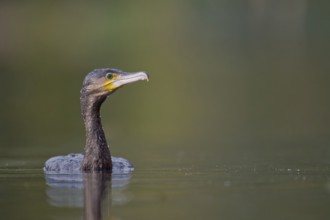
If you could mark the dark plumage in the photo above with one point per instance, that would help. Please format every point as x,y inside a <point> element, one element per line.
<point>97,86</point>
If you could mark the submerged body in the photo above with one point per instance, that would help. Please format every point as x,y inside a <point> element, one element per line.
<point>71,164</point>
<point>97,86</point>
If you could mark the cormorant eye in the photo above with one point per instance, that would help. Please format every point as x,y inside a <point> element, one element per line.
<point>109,76</point>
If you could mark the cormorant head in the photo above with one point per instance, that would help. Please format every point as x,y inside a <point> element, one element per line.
<point>102,82</point>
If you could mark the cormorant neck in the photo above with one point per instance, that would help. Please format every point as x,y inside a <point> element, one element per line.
<point>97,154</point>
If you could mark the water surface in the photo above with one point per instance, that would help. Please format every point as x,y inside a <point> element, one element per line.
<point>226,191</point>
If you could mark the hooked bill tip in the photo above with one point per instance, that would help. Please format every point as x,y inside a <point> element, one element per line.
<point>145,76</point>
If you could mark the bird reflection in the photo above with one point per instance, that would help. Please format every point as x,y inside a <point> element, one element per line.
<point>95,191</point>
<point>90,191</point>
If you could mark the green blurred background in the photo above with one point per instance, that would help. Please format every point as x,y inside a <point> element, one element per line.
<point>230,81</point>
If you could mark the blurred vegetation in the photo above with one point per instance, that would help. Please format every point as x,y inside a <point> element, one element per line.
<point>228,79</point>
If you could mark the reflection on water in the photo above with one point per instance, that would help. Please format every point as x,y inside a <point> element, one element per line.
<point>228,191</point>
<point>88,190</point>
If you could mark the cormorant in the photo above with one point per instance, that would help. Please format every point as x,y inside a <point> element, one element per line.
<point>97,86</point>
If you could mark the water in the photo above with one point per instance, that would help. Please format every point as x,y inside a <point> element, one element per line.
<point>234,123</point>
<point>230,192</point>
